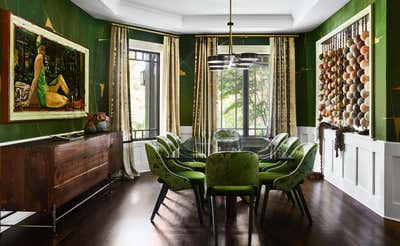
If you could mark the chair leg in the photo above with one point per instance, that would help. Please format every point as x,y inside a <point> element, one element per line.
<point>160,199</point>
<point>210,213</point>
<point>304,204</point>
<point>202,195</point>
<point>214,222</point>
<point>251,213</point>
<point>298,202</point>
<point>198,203</point>
<point>258,197</point>
<point>290,197</point>
<point>264,206</point>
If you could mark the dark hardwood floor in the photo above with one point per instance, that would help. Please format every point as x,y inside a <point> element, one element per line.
<point>123,219</point>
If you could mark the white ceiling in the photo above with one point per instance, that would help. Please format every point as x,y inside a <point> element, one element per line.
<point>211,16</point>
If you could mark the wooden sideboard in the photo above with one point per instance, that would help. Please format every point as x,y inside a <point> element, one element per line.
<point>43,175</point>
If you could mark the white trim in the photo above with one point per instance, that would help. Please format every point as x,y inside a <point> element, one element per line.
<point>155,48</point>
<point>318,48</point>
<point>21,116</point>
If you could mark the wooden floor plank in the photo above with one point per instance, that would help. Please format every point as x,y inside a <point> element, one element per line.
<point>124,219</point>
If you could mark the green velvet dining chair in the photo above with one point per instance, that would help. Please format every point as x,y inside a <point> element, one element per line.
<point>274,144</point>
<point>173,177</point>
<point>167,144</point>
<point>176,140</point>
<point>286,148</point>
<point>231,174</point>
<point>288,176</point>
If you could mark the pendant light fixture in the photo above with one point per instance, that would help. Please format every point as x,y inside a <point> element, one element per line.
<point>226,61</point>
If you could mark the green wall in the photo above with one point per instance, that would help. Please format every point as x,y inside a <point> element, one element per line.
<point>305,65</point>
<point>187,60</point>
<point>78,26</point>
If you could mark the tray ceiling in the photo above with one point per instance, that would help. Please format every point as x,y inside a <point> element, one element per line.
<point>211,16</point>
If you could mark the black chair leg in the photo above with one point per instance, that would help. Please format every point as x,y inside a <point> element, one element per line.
<point>251,213</point>
<point>298,202</point>
<point>160,199</point>
<point>264,206</point>
<point>210,213</point>
<point>290,197</point>
<point>198,203</point>
<point>258,197</point>
<point>214,222</point>
<point>298,188</point>
<point>202,195</point>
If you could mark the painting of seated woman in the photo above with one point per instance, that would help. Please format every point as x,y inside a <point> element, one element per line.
<point>49,74</point>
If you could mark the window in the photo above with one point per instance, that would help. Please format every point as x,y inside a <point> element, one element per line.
<point>144,79</point>
<point>244,100</point>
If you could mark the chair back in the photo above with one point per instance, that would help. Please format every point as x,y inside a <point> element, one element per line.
<point>164,141</point>
<point>308,152</point>
<point>232,168</point>
<point>278,140</point>
<point>289,145</point>
<point>159,168</point>
<point>174,139</point>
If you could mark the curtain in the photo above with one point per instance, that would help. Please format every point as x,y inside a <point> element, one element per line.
<point>205,95</point>
<point>282,77</point>
<point>171,81</point>
<point>119,96</point>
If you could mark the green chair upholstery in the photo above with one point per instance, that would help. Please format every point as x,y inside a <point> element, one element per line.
<point>170,147</point>
<point>173,177</point>
<point>288,177</point>
<point>286,148</point>
<point>188,152</point>
<point>274,145</point>
<point>174,139</point>
<point>232,174</point>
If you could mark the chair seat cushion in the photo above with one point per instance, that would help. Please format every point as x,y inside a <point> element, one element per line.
<point>193,176</point>
<point>266,164</point>
<point>268,178</point>
<point>236,190</point>
<point>195,165</point>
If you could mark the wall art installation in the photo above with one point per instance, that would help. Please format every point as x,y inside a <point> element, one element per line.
<point>44,75</point>
<point>344,69</point>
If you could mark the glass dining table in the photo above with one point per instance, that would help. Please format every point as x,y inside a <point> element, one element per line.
<point>187,154</point>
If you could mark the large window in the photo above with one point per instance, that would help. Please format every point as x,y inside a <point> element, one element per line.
<point>244,100</point>
<point>144,77</point>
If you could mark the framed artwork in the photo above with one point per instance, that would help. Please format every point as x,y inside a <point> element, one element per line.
<point>44,75</point>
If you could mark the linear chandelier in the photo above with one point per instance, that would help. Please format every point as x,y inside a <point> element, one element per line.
<point>226,61</point>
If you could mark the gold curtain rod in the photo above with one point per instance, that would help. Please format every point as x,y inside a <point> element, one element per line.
<point>247,35</point>
<point>146,30</point>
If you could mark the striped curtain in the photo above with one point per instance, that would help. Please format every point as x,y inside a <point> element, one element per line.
<point>283,93</point>
<point>119,98</point>
<point>171,80</point>
<point>205,96</point>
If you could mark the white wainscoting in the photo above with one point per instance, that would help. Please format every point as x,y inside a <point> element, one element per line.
<point>367,170</point>
<point>186,132</point>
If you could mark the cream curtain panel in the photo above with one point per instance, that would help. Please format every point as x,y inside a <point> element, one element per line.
<point>171,82</point>
<point>205,95</point>
<point>119,96</point>
<point>283,93</point>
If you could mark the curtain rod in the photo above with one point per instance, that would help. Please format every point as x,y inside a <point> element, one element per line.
<point>247,35</point>
<point>146,30</point>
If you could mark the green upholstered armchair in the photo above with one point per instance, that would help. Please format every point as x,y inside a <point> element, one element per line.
<point>173,177</point>
<point>286,148</point>
<point>231,174</point>
<point>170,147</point>
<point>288,177</point>
<point>274,144</point>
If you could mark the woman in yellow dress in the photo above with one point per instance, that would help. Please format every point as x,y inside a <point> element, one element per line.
<point>47,93</point>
